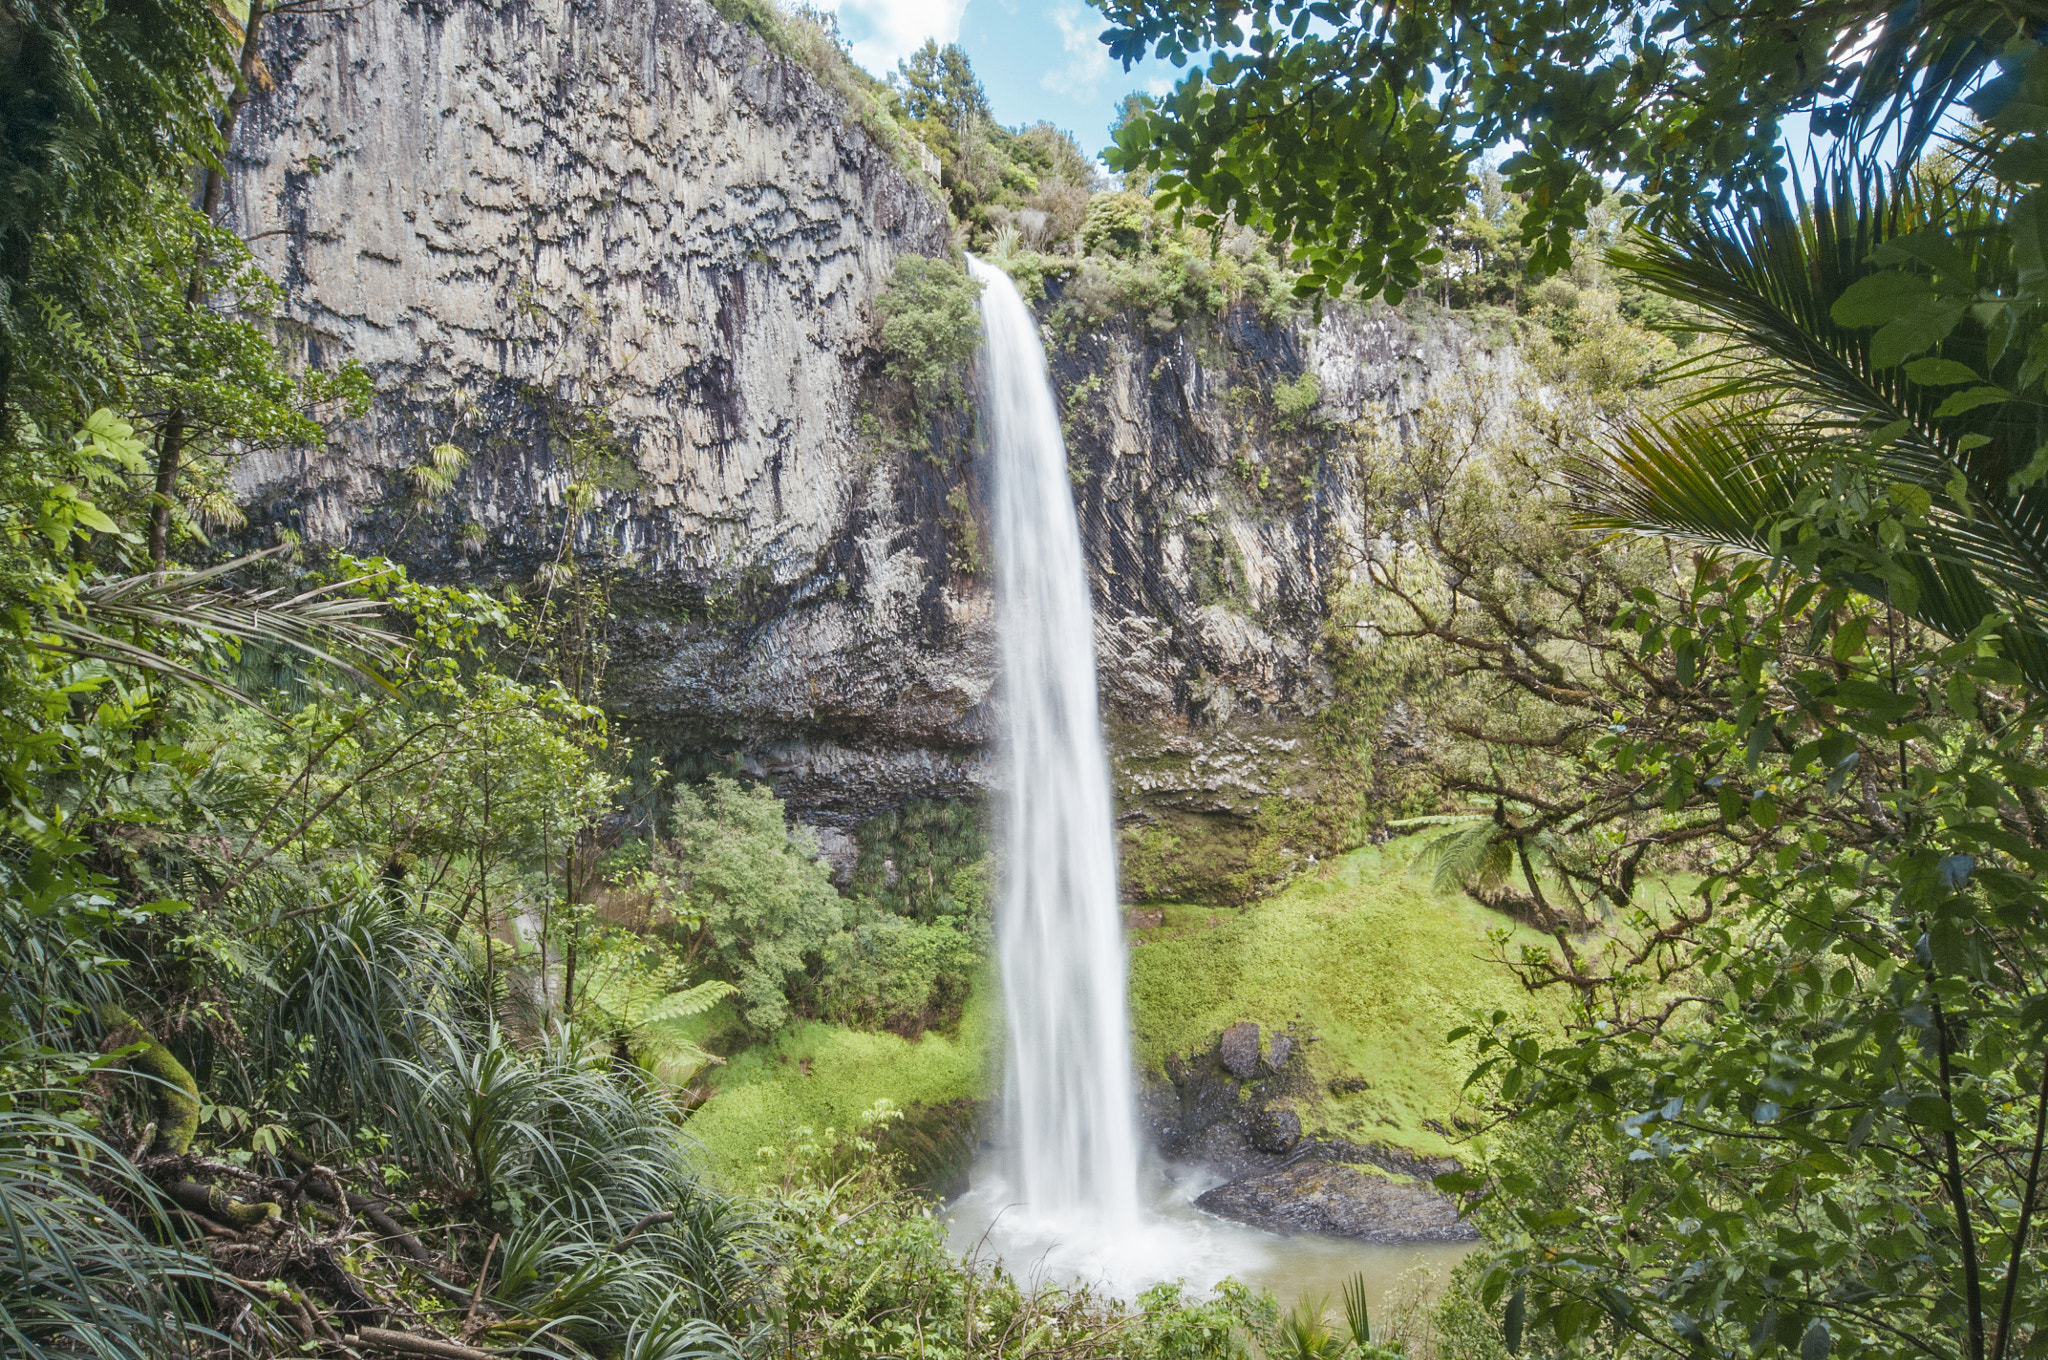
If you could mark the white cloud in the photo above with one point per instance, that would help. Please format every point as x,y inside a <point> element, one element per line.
<point>1088,59</point>
<point>893,29</point>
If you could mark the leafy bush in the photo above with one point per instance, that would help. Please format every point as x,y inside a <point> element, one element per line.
<point>930,327</point>
<point>920,908</point>
<point>1295,399</point>
<point>925,860</point>
<point>899,975</point>
<point>767,902</point>
<point>1117,224</point>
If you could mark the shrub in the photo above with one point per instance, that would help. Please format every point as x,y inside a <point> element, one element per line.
<point>1296,399</point>
<point>1116,224</point>
<point>766,900</point>
<point>930,327</point>
<point>921,906</point>
<point>925,860</point>
<point>898,975</point>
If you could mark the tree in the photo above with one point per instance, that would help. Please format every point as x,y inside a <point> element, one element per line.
<point>767,902</point>
<point>1347,129</point>
<point>97,100</point>
<point>939,86</point>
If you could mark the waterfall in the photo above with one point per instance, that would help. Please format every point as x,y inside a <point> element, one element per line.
<point>1071,1121</point>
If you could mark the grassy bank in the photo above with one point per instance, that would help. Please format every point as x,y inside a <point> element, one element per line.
<point>1359,953</point>
<point>817,1075</point>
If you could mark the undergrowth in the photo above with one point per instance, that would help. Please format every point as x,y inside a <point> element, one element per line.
<point>818,1075</point>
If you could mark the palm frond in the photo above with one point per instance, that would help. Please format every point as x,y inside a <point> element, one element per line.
<point>1714,483</point>
<point>1722,485</point>
<point>1791,397</point>
<point>327,623</point>
<point>684,1004</point>
<point>1469,853</point>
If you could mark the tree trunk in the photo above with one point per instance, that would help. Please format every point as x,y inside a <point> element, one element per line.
<point>170,448</point>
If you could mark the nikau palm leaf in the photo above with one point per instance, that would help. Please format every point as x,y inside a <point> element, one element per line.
<point>324,623</point>
<point>1793,398</point>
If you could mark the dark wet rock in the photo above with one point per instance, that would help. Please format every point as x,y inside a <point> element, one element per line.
<point>1339,1199</point>
<point>1275,1130</point>
<point>1238,1050</point>
<point>1282,1049</point>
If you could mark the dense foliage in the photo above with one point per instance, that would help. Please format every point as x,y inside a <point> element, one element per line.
<point>1769,780</point>
<point>1347,130</point>
<point>348,988</point>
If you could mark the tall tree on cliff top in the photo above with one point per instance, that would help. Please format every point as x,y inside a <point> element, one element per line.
<point>939,86</point>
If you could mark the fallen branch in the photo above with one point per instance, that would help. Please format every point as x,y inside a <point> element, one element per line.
<point>476,1300</point>
<point>405,1343</point>
<point>651,1221</point>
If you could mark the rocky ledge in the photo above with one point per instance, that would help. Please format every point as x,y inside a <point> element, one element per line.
<point>1340,1199</point>
<point>1231,1110</point>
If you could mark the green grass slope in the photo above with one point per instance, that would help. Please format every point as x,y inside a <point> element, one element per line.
<point>817,1075</point>
<point>1359,953</point>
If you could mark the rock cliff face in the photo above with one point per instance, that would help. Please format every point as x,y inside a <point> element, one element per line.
<point>518,215</point>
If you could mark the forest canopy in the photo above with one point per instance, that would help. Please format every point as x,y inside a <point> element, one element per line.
<point>1348,130</point>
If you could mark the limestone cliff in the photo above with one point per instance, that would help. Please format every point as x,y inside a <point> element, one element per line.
<point>518,214</point>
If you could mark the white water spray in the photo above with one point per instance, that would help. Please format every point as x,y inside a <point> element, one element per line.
<point>1071,1120</point>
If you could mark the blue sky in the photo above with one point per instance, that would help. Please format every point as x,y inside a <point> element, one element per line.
<point>1038,59</point>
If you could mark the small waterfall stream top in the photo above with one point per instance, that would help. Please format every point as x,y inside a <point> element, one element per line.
<point>1070,1119</point>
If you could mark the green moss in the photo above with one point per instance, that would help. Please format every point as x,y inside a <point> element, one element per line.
<point>173,1095</point>
<point>818,1075</point>
<point>1231,859</point>
<point>1361,954</point>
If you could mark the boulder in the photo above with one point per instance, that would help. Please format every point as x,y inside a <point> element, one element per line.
<point>1283,1049</point>
<point>1339,1200</point>
<point>1238,1050</point>
<point>1276,1130</point>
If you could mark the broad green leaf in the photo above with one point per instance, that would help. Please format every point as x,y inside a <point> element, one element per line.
<point>1929,246</point>
<point>1970,401</point>
<point>2022,162</point>
<point>1877,299</point>
<point>2036,468</point>
<point>1941,373</point>
<point>2026,224</point>
<point>1924,326</point>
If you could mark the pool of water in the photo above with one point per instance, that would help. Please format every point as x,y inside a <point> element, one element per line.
<point>1177,1241</point>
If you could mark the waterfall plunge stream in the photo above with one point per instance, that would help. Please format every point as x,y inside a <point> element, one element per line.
<point>1073,1141</point>
<point>1066,1197</point>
